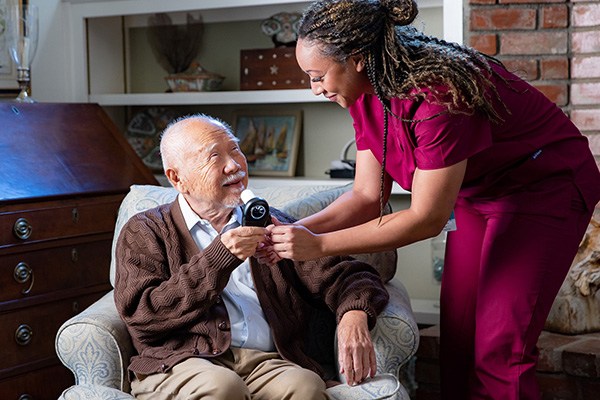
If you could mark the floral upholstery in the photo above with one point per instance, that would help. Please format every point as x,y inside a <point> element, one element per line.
<point>96,346</point>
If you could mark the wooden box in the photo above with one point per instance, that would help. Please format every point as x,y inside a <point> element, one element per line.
<point>65,170</point>
<point>271,69</point>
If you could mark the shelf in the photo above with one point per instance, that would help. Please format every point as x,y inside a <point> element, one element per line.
<point>199,98</point>
<point>426,312</point>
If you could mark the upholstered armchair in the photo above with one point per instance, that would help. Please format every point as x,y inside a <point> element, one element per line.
<point>96,346</point>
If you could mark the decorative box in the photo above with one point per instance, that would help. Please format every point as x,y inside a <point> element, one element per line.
<point>195,79</point>
<point>271,69</point>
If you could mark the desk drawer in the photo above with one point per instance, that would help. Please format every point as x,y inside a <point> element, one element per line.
<point>75,263</point>
<point>42,384</point>
<point>27,335</point>
<point>72,218</point>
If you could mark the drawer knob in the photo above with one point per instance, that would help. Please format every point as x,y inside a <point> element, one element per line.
<point>23,334</point>
<point>22,229</point>
<point>75,215</point>
<point>22,274</point>
<point>26,397</point>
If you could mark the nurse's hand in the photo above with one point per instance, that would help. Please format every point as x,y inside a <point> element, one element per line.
<point>295,242</point>
<point>265,254</point>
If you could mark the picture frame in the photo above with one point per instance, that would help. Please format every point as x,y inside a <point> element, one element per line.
<point>269,140</point>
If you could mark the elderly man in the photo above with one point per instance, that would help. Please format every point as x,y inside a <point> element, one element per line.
<point>210,322</point>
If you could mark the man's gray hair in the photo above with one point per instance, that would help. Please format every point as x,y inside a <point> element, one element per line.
<point>173,144</point>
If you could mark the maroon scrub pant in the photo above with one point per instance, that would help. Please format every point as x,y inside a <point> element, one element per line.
<point>501,275</point>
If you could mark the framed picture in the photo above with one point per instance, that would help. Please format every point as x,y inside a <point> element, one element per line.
<point>269,140</point>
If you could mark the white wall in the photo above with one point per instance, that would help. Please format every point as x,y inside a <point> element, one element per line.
<point>50,70</point>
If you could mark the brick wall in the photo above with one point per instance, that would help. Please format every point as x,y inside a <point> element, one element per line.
<point>554,44</point>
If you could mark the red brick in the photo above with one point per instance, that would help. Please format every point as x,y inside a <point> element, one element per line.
<point>594,141</point>
<point>534,43</point>
<point>586,42</point>
<point>585,93</point>
<point>557,68</point>
<point>589,389</point>
<point>524,68</point>
<point>581,358</point>
<point>588,120</point>
<point>557,386</point>
<point>556,93</point>
<point>550,347</point>
<point>482,2</point>
<point>585,15</point>
<point>504,18</point>
<point>485,44</point>
<point>529,1</point>
<point>555,17</point>
<point>585,67</point>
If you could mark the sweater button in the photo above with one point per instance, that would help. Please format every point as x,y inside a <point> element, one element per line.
<point>216,351</point>
<point>223,325</point>
<point>163,367</point>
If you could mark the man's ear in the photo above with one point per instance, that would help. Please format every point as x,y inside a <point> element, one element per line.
<point>173,177</point>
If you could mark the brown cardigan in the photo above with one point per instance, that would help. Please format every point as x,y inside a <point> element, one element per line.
<point>169,293</point>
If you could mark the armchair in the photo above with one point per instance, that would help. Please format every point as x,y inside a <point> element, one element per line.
<point>96,346</point>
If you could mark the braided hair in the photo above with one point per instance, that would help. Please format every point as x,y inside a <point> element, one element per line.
<point>401,61</point>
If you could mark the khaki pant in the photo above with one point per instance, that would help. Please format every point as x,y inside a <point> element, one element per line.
<point>242,374</point>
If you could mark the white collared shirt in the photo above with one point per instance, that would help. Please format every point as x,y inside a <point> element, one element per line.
<point>249,328</point>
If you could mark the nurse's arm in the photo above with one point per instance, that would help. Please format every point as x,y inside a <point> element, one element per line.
<point>357,206</point>
<point>434,194</point>
<point>433,198</point>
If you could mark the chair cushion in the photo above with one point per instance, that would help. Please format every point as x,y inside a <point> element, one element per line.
<point>298,201</point>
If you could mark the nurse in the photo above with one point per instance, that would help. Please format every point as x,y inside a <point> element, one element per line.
<point>462,133</point>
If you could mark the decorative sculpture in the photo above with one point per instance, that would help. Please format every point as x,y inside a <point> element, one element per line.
<point>577,305</point>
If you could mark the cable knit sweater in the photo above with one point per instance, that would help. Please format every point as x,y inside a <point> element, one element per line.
<point>168,292</point>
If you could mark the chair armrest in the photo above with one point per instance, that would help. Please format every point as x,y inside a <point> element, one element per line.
<point>86,392</point>
<point>396,335</point>
<point>96,346</point>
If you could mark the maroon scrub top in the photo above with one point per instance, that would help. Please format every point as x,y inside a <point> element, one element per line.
<point>528,163</point>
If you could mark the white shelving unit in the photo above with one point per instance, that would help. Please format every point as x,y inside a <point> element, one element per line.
<point>99,30</point>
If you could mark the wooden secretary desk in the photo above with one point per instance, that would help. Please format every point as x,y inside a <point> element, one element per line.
<point>64,169</point>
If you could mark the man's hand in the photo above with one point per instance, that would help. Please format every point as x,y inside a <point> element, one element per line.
<point>355,348</point>
<point>242,241</point>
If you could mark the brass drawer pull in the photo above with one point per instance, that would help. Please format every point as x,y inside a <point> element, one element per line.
<point>23,334</point>
<point>22,229</point>
<point>22,274</point>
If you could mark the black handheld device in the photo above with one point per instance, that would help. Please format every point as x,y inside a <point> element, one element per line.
<point>256,210</point>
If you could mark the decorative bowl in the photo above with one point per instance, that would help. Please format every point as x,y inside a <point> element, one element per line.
<point>195,79</point>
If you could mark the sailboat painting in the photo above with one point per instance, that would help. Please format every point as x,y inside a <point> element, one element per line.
<point>269,140</point>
